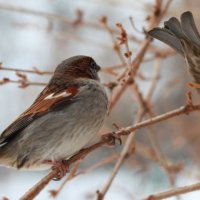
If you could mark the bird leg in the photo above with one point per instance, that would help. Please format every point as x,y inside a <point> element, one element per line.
<point>110,138</point>
<point>61,166</point>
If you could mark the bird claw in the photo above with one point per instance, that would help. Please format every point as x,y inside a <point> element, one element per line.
<point>61,166</point>
<point>111,138</point>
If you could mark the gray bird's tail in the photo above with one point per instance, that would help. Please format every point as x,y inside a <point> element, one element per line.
<point>175,31</point>
<point>6,157</point>
<point>184,37</point>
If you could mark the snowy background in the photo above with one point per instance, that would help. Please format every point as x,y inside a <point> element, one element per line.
<point>30,40</point>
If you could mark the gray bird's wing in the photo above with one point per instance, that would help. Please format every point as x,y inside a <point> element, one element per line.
<point>46,102</point>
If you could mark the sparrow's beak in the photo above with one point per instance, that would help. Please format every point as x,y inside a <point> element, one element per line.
<point>94,72</point>
<point>98,68</point>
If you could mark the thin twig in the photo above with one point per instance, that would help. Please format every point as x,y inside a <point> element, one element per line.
<point>21,83</point>
<point>54,193</point>
<point>174,192</point>
<point>102,193</point>
<point>37,188</point>
<point>34,71</point>
<point>143,109</point>
<point>49,16</point>
<point>103,162</point>
<point>154,20</point>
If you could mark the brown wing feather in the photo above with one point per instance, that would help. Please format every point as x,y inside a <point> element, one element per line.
<point>39,108</point>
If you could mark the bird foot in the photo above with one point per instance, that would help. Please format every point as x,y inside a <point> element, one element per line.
<point>61,166</point>
<point>111,138</point>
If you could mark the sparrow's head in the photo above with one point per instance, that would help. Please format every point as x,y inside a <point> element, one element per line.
<point>78,67</point>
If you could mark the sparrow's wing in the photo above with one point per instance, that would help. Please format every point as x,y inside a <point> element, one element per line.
<point>46,102</point>
<point>19,124</point>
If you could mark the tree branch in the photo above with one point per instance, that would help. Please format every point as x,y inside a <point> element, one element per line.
<point>174,192</point>
<point>34,191</point>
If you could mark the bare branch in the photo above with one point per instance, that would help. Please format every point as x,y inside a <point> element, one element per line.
<point>34,191</point>
<point>174,192</point>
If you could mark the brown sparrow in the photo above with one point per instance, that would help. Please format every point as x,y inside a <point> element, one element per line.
<point>63,119</point>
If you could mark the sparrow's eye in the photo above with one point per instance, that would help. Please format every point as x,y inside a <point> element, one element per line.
<point>95,66</point>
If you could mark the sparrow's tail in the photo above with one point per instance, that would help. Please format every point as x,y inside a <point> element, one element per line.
<point>6,157</point>
<point>169,36</point>
<point>184,37</point>
<point>175,31</point>
<point>9,158</point>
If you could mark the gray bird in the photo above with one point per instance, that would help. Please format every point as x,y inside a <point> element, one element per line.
<point>64,118</point>
<point>184,37</point>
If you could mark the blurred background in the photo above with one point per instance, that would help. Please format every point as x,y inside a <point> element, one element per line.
<point>40,34</point>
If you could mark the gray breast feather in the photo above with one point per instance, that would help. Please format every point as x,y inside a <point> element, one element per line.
<point>61,133</point>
